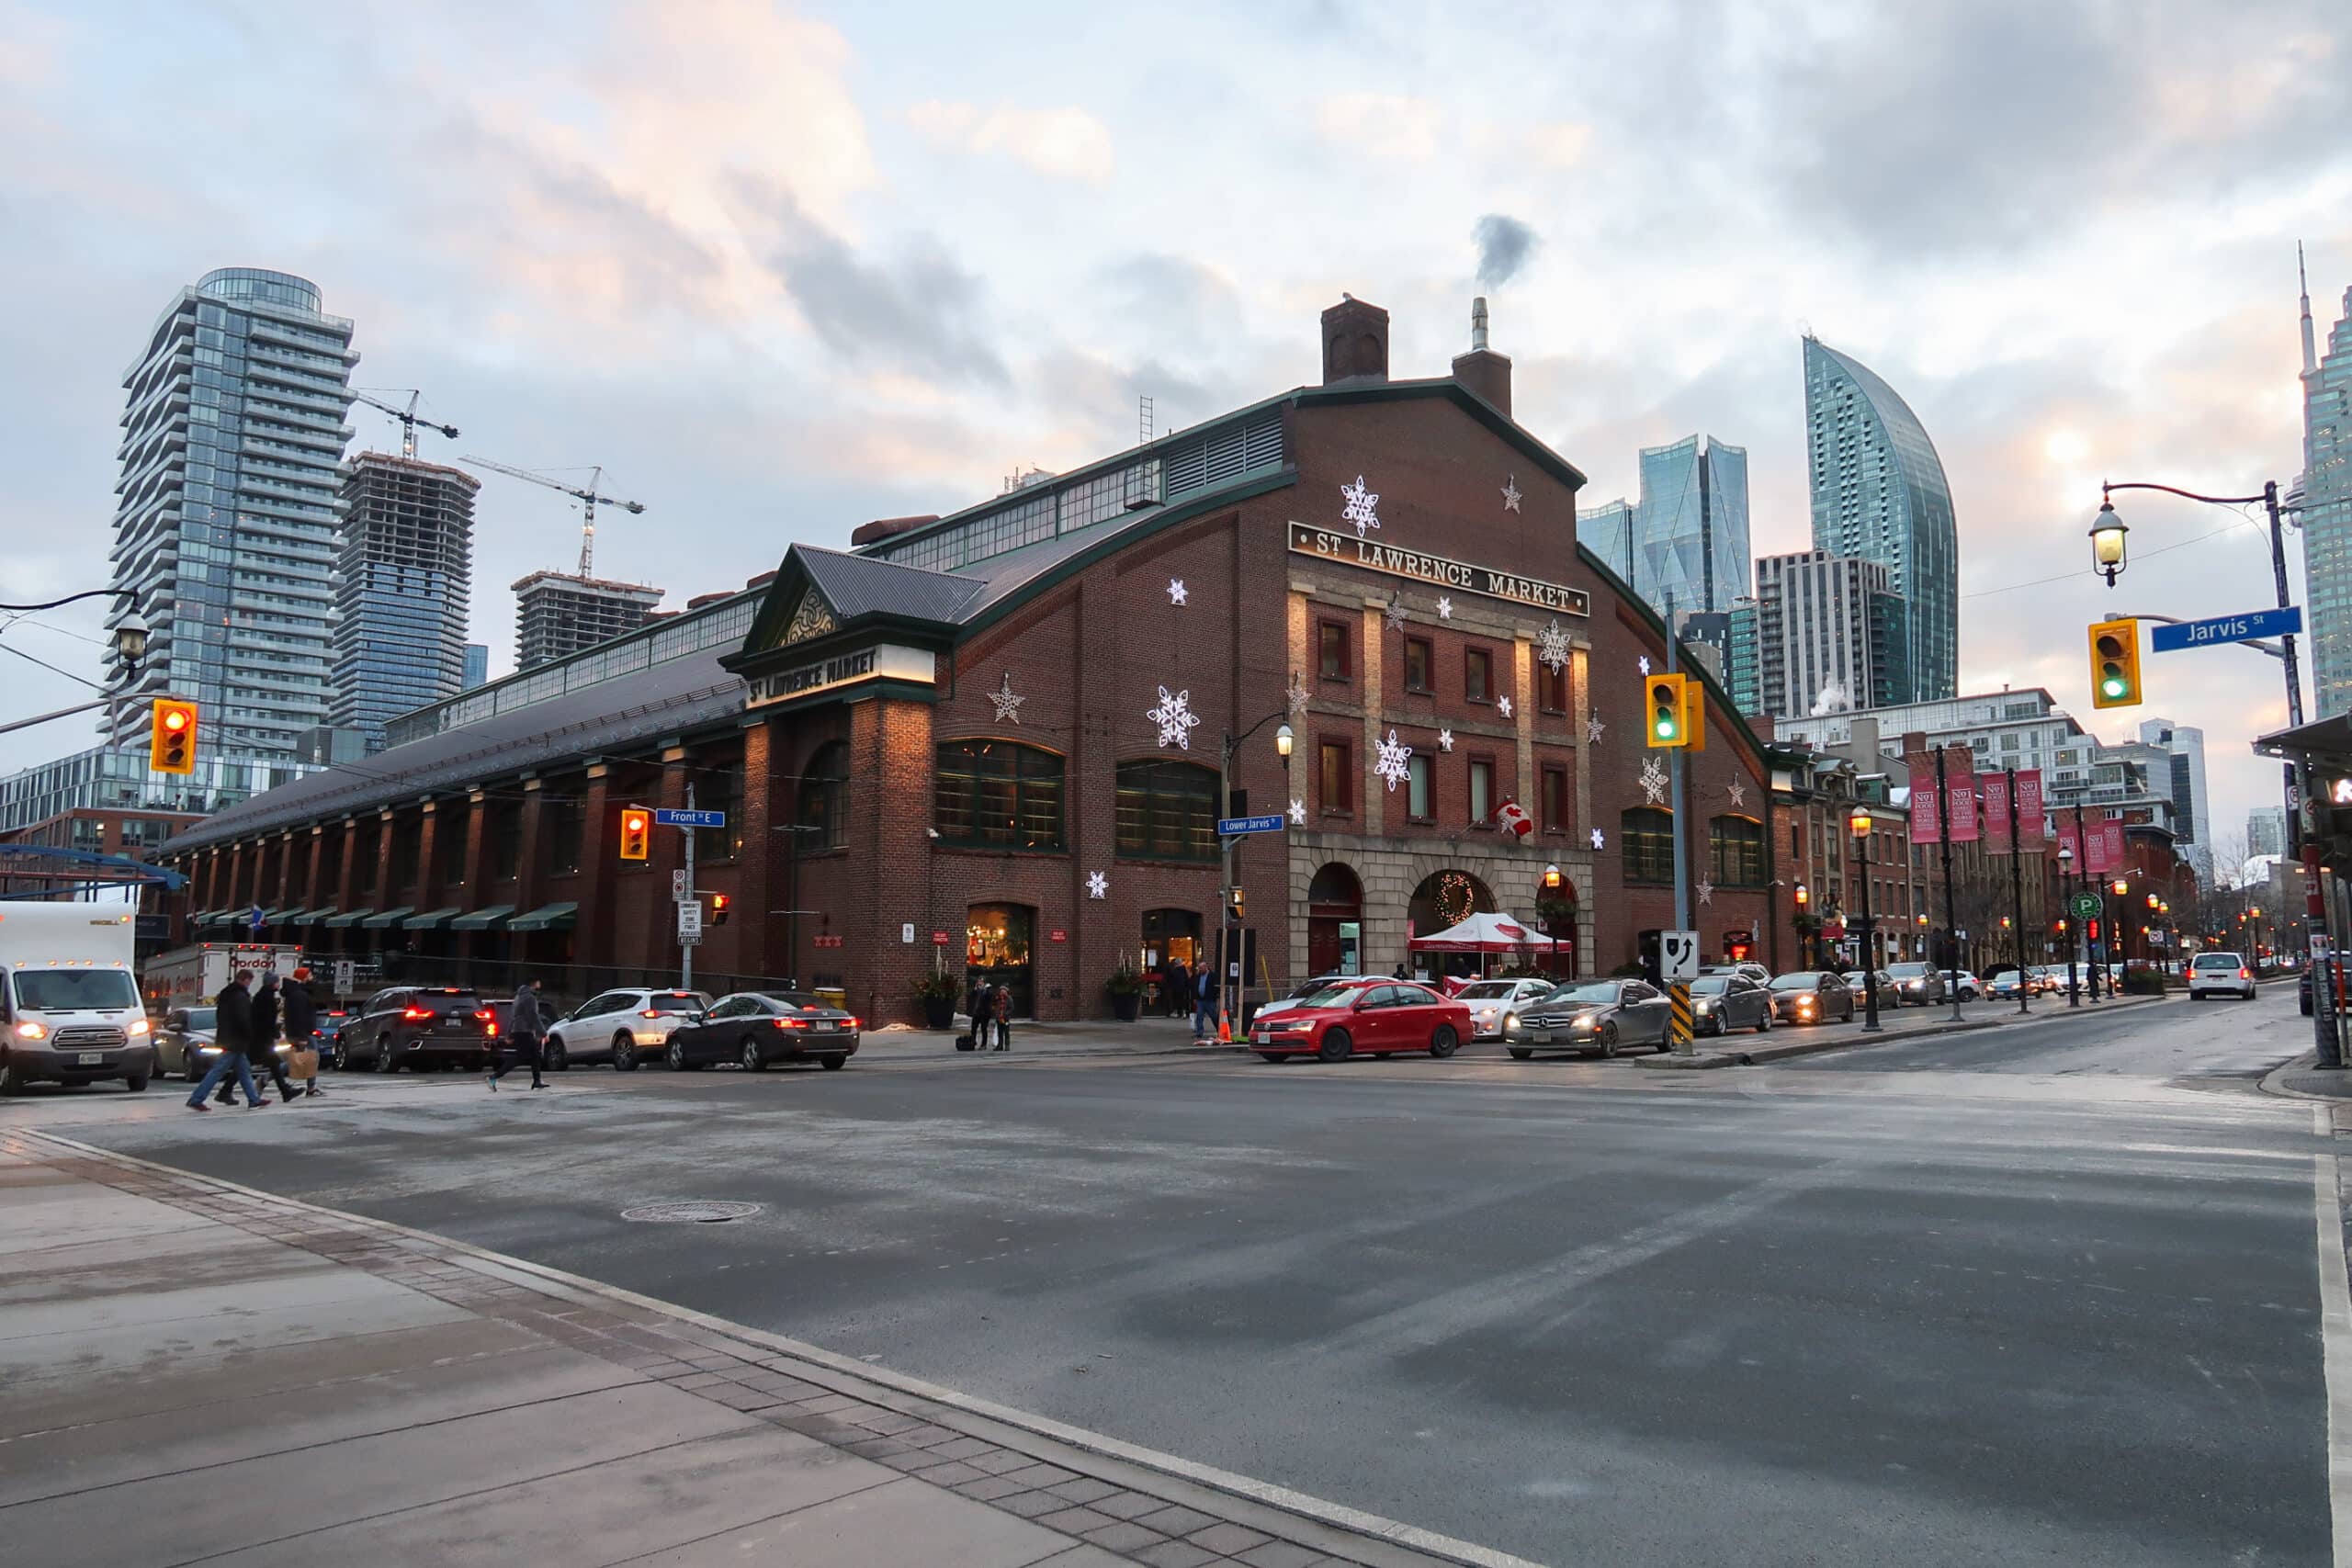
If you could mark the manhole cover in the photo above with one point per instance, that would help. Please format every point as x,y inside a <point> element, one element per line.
<point>696,1214</point>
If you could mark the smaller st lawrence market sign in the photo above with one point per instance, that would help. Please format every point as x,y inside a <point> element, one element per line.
<point>1305,540</point>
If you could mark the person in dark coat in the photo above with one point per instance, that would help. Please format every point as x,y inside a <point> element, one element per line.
<point>1000,1005</point>
<point>1203,1002</point>
<point>232,1032</point>
<point>983,1014</point>
<point>524,1026</point>
<point>1176,994</point>
<point>267,1004</point>
<point>300,1013</point>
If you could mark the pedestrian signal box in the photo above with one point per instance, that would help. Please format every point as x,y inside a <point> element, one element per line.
<point>171,735</point>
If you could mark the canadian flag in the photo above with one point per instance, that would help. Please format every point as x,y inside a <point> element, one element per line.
<point>1512,817</point>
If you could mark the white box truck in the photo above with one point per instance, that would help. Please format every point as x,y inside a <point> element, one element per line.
<point>192,977</point>
<point>70,1010</point>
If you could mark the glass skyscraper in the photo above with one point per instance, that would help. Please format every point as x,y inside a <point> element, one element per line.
<point>1879,492</point>
<point>2327,509</point>
<point>225,526</point>
<point>1687,539</point>
<point>404,588</point>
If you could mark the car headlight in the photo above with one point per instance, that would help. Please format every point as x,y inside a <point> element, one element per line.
<point>1511,1021</point>
<point>1584,1024</point>
<point>29,1030</point>
<point>136,1028</point>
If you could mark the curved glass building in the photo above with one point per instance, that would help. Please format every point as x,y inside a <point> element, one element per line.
<point>1879,492</point>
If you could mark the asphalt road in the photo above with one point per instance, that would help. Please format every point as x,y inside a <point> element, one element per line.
<point>2002,1299</point>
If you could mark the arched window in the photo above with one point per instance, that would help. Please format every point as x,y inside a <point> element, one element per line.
<point>1736,852</point>
<point>1646,845</point>
<point>823,798</point>
<point>1167,810</point>
<point>999,794</point>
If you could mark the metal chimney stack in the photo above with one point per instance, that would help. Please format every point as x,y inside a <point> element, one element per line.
<point>1478,324</point>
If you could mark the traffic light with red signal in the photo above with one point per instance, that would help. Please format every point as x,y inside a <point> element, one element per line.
<point>171,735</point>
<point>637,832</point>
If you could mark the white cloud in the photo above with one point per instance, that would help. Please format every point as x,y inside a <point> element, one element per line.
<point>1559,143</point>
<point>1381,125</point>
<point>1064,143</point>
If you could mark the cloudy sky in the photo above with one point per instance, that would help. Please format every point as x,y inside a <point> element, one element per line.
<point>785,267</point>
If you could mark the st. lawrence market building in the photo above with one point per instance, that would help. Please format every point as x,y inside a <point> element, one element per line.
<point>992,742</point>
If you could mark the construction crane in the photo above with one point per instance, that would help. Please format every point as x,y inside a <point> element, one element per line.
<point>587,497</point>
<point>407,416</point>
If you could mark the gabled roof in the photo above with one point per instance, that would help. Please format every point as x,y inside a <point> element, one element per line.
<point>864,585</point>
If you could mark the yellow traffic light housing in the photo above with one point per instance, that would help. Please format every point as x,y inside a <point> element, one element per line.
<point>1666,709</point>
<point>718,908</point>
<point>2115,664</point>
<point>171,735</point>
<point>1694,714</point>
<point>1238,905</point>
<point>637,832</point>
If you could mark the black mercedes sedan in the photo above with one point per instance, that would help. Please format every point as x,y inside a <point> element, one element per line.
<point>754,1027</point>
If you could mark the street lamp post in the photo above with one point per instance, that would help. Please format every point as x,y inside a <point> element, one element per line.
<point>1803,898</point>
<point>1231,975</point>
<point>2065,901</point>
<point>1861,822</point>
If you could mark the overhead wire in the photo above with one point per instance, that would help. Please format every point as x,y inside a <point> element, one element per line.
<point>2160,550</point>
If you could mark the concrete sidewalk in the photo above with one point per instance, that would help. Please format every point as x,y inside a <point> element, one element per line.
<point>194,1371</point>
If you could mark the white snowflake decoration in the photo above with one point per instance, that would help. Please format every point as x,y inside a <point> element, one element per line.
<point>1175,590</point>
<point>1297,694</point>
<point>1008,706</point>
<point>1597,839</point>
<point>1643,663</point>
<point>1361,506</point>
<point>1652,781</point>
<point>1175,717</point>
<point>1444,608</point>
<point>1445,741</point>
<point>1392,762</point>
<point>1396,615</point>
<point>1592,729</point>
<point>1097,885</point>
<point>1297,812</point>
<point>1738,791</point>
<point>1510,494</point>
<point>1706,891</point>
<point>1502,706</point>
<point>1552,648</point>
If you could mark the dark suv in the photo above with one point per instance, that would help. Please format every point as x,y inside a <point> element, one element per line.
<point>418,1026</point>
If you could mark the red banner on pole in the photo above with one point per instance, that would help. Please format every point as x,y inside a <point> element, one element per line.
<point>1926,818</point>
<point>2095,861</point>
<point>1996,813</point>
<point>2032,816</point>
<point>2112,832</point>
<point>2073,845</point>
<point>1960,805</point>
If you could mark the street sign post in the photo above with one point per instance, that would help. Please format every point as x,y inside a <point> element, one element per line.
<point>347,972</point>
<point>1234,827</point>
<point>2087,906</point>
<point>678,885</point>
<point>1678,957</point>
<point>2214,629</point>
<point>669,818</point>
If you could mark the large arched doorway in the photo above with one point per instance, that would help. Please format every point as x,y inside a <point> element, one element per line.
<point>1447,898</point>
<point>1335,922</point>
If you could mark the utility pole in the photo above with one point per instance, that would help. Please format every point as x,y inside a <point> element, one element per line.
<point>687,948</point>
<point>2016,887</point>
<point>1678,991</point>
<point>1951,922</point>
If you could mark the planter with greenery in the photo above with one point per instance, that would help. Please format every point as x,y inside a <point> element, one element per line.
<point>1125,990</point>
<point>936,991</point>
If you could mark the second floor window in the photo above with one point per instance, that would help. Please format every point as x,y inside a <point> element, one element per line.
<point>1420,793</point>
<point>1417,665</point>
<point>1338,780</point>
<point>1167,810</point>
<point>1555,800</point>
<point>1736,852</point>
<point>1482,790</point>
<point>998,794</point>
<point>1646,845</point>
<point>1478,674</point>
<point>1552,688</point>
<point>1333,650</point>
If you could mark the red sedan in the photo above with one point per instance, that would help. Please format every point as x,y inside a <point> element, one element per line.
<point>1371,1016</point>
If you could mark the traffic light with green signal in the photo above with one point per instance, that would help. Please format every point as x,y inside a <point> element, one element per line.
<point>2115,664</point>
<point>1666,710</point>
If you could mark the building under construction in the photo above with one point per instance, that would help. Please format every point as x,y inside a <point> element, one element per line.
<point>405,581</point>
<point>557,614</point>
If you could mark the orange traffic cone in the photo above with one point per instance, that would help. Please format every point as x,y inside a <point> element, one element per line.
<point>1224,1029</point>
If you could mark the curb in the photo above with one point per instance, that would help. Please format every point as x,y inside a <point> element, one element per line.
<point>2306,1062</point>
<point>1763,1055</point>
<point>864,1381</point>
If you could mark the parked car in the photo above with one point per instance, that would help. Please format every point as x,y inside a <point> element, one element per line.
<point>417,1027</point>
<point>1720,1003</point>
<point>623,1027</point>
<point>1917,984</point>
<point>1307,989</point>
<point>1494,1002</point>
<point>1813,996</point>
<point>1597,1017</point>
<point>2220,974</point>
<point>756,1028</point>
<point>1887,995</point>
<point>2008,985</point>
<point>1379,1019</point>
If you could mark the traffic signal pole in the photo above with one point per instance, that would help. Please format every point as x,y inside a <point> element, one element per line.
<point>687,948</point>
<point>1678,990</point>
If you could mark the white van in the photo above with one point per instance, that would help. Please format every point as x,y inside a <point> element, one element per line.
<point>70,1011</point>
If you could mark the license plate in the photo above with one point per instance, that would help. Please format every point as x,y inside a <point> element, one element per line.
<point>453,1024</point>
<point>94,1058</point>
<point>826,1026</point>
<point>1265,1040</point>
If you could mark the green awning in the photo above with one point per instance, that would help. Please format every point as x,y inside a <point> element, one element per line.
<point>201,918</point>
<point>482,920</point>
<point>312,917</point>
<point>280,917</point>
<point>350,917</point>
<point>545,918</point>
<point>389,918</point>
<point>429,919</point>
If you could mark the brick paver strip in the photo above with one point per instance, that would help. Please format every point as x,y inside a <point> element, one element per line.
<point>714,1365</point>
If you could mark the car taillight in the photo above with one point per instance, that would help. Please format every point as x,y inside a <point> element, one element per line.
<point>790,1022</point>
<point>2246,973</point>
<point>486,1015</point>
<point>411,1015</point>
<point>849,1023</point>
<point>648,1012</point>
<point>492,1028</point>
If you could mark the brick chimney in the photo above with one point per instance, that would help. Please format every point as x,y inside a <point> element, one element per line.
<point>1355,342</point>
<point>1483,370</point>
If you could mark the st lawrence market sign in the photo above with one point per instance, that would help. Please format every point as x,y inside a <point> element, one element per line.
<point>884,661</point>
<point>1393,560</point>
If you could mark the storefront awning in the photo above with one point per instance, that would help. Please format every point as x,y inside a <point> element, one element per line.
<point>482,920</point>
<point>1482,933</point>
<point>545,918</point>
<point>431,919</point>
<point>389,918</point>
<point>351,917</point>
<point>281,917</point>
<point>312,917</point>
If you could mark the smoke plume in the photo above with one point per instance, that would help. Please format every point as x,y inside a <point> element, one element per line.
<point>1504,245</point>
